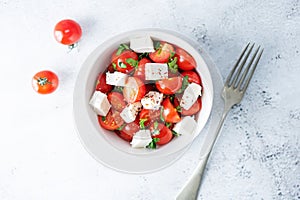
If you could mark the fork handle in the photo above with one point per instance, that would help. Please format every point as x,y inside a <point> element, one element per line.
<point>191,188</point>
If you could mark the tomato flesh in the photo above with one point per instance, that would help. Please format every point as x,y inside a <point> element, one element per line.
<point>140,72</point>
<point>101,84</point>
<point>169,85</point>
<point>193,77</point>
<point>134,90</point>
<point>194,109</point>
<point>45,82</point>
<point>149,115</point>
<point>184,60</point>
<point>170,113</point>
<point>67,32</point>
<point>111,121</point>
<point>128,131</point>
<point>120,61</point>
<point>116,100</point>
<point>162,132</point>
<point>163,53</point>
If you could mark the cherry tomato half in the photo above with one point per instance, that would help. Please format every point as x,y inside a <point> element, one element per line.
<point>45,82</point>
<point>162,132</point>
<point>101,84</point>
<point>162,53</point>
<point>149,116</point>
<point>67,32</point>
<point>121,62</point>
<point>196,107</point>
<point>116,100</point>
<point>169,85</point>
<point>111,121</point>
<point>193,77</point>
<point>170,113</point>
<point>127,132</point>
<point>134,89</point>
<point>185,60</point>
<point>140,72</point>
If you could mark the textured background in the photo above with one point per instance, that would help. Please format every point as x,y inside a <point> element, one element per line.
<point>257,155</point>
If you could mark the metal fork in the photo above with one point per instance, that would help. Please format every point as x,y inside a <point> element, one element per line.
<point>233,92</point>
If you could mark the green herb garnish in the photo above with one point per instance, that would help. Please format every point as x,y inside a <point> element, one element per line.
<point>185,83</point>
<point>121,48</point>
<point>132,62</point>
<point>161,114</point>
<point>155,125</point>
<point>152,144</point>
<point>122,65</point>
<point>156,45</point>
<point>175,133</point>
<point>143,55</point>
<point>142,123</point>
<point>121,127</point>
<point>118,89</point>
<point>178,108</point>
<point>103,118</point>
<point>114,66</point>
<point>168,124</point>
<point>173,67</point>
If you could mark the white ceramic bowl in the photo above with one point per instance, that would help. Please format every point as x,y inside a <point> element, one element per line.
<point>94,137</point>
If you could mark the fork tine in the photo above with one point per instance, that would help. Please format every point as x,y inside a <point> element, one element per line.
<point>252,71</point>
<point>236,64</point>
<point>242,66</point>
<point>247,68</point>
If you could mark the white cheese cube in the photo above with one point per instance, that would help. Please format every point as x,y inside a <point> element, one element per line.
<point>156,71</point>
<point>190,95</point>
<point>152,100</point>
<point>116,78</point>
<point>185,126</point>
<point>142,44</point>
<point>130,112</point>
<point>141,139</point>
<point>100,103</point>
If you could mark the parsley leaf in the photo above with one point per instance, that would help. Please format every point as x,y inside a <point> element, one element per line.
<point>118,89</point>
<point>143,55</point>
<point>121,48</point>
<point>156,45</point>
<point>103,118</point>
<point>161,114</point>
<point>185,83</point>
<point>114,66</point>
<point>155,125</point>
<point>122,65</point>
<point>175,133</point>
<point>132,62</point>
<point>142,123</point>
<point>168,124</point>
<point>152,144</point>
<point>178,108</point>
<point>121,127</point>
<point>173,67</point>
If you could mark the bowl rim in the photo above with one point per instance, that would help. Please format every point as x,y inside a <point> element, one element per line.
<point>92,58</point>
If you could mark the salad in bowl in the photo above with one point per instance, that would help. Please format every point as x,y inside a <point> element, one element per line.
<point>145,92</point>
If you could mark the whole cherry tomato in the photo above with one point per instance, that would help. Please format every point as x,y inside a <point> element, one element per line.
<point>45,82</point>
<point>67,32</point>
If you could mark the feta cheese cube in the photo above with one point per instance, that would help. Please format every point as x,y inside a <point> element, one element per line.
<point>142,44</point>
<point>185,126</point>
<point>100,103</point>
<point>190,95</point>
<point>152,100</point>
<point>130,112</point>
<point>141,139</point>
<point>116,78</point>
<point>156,71</point>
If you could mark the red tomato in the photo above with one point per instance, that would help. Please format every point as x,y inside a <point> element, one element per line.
<point>120,61</point>
<point>169,85</point>
<point>45,82</point>
<point>196,107</point>
<point>101,84</point>
<point>128,131</point>
<point>134,89</point>
<point>185,61</point>
<point>170,113</point>
<point>149,115</point>
<point>162,132</point>
<point>140,72</point>
<point>193,76</point>
<point>163,53</point>
<point>67,32</point>
<point>111,121</point>
<point>116,100</point>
